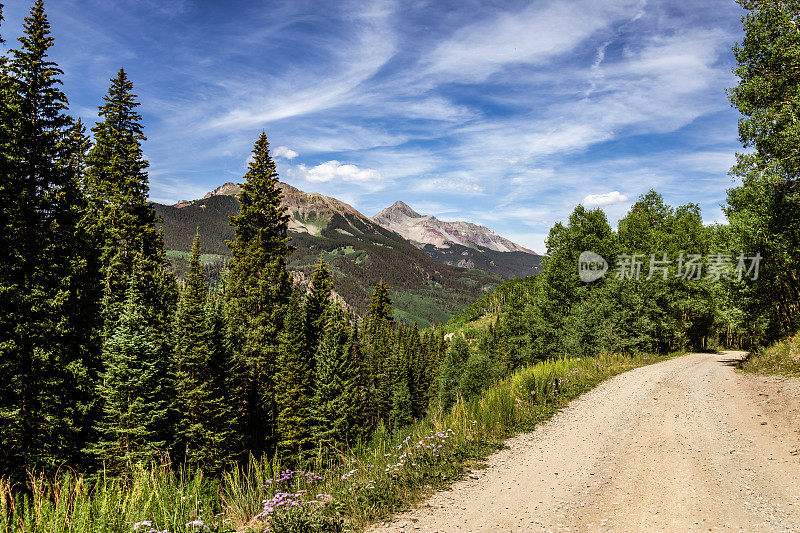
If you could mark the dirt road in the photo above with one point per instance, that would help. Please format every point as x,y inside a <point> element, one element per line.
<point>683,445</point>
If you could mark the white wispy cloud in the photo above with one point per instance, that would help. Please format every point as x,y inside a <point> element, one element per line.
<point>530,108</point>
<point>451,184</point>
<point>529,36</point>
<point>350,60</point>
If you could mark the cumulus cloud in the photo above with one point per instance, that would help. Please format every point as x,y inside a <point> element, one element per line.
<point>285,152</point>
<point>334,170</point>
<point>606,198</point>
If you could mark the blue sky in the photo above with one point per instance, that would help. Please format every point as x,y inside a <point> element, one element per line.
<point>506,114</point>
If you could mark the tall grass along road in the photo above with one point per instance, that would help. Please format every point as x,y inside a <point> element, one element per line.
<point>357,488</point>
<point>687,444</point>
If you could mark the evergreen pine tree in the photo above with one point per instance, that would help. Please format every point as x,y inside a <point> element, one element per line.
<point>294,382</point>
<point>258,290</point>
<point>121,220</point>
<point>419,375</point>
<point>380,356</point>
<point>134,410</point>
<point>193,382</point>
<point>10,186</point>
<point>380,307</point>
<point>401,414</point>
<point>379,343</point>
<point>401,406</point>
<point>316,303</point>
<point>46,284</point>
<point>81,144</point>
<point>359,397</point>
<point>450,372</point>
<point>226,441</point>
<point>336,402</point>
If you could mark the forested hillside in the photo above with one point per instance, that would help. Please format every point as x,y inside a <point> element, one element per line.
<point>360,254</point>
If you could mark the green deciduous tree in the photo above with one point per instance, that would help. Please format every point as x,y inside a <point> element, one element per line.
<point>767,95</point>
<point>451,369</point>
<point>475,376</point>
<point>763,211</point>
<point>559,289</point>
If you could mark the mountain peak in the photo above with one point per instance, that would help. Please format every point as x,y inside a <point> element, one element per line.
<point>401,219</point>
<point>226,189</point>
<point>402,207</point>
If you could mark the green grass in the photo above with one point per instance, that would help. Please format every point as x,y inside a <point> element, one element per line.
<point>782,358</point>
<point>205,259</point>
<point>360,486</point>
<point>408,307</point>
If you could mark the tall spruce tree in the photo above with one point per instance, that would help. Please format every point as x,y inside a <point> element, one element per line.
<point>226,439</point>
<point>379,342</point>
<point>359,397</point>
<point>294,381</point>
<point>336,403</point>
<point>401,410</point>
<point>46,284</point>
<point>194,386</point>
<point>116,185</point>
<point>131,390</point>
<point>257,293</point>
<point>316,303</point>
<point>380,307</point>
<point>9,187</point>
<point>419,372</point>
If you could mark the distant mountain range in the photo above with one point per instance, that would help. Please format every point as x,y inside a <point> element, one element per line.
<point>430,280</point>
<point>427,229</point>
<point>460,244</point>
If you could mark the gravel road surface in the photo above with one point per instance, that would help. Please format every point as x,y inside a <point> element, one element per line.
<point>687,444</point>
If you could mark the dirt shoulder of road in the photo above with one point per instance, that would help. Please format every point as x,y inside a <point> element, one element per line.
<point>778,399</point>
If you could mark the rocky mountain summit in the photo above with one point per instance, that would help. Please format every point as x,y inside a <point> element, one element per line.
<point>427,229</point>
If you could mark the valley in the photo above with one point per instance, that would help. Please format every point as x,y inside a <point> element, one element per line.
<point>430,281</point>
